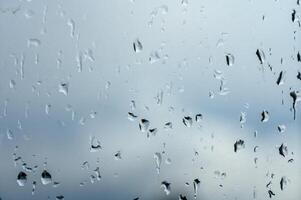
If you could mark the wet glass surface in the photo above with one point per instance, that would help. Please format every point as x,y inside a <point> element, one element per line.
<point>141,99</point>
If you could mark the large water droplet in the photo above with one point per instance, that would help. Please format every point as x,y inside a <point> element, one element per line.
<point>46,177</point>
<point>22,178</point>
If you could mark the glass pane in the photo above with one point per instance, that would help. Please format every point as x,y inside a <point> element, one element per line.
<point>141,99</point>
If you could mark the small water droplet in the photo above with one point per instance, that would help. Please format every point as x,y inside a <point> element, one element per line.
<point>158,159</point>
<point>94,145</point>
<point>296,96</point>
<point>243,118</point>
<point>60,197</point>
<point>198,117</point>
<point>144,125</point>
<point>132,116</point>
<point>154,57</point>
<point>283,151</point>
<point>166,187</point>
<point>283,183</point>
<point>196,185</point>
<point>64,88</point>
<point>12,84</point>
<point>33,42</point>
<point>187,121</point>
<point>230,59</point>
<point>182,197</point>
<point>265,116</point>
<point>281,128</point>
<point>168,126</point>
<point>260,55</point>
<point>117,155</point>
<point>239,144</point>
<point>47,109</point>
<point>137,45</point>
<point>10,134</point>
<point>280,79</point>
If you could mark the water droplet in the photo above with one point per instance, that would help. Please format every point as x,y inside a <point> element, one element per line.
<point>10,134</point>
<point>117,155</point>
<point>283,151</point>
<point>64,88</point>
<point>22,178</point>
<point>97,172</point>
<point>158,159</point>
<point>281,128</point>
<point>132,116</point>
<point>283,183</point>
<point>93,114</point>
<point>46,177</point>
<point>299,75</point>
<point>182,197</point>
<point>296,96</point>
<point>198,117</point>
<point>166,187</point>
<point>154,57</point>
<point>152,131</point>
<point>85,165</point>
<point>260,55</point>
<point>144,125</point>
<point>60,197</point>
<point>47,108</point>
<point>56,184</point>
<point>168,126</point>
<point>265,116</point>
<point>196,185</point>
<point>137,45</point>
<point>71,24</point>
<point>12,84</point>
<point>239,144</point>
<point>280,79</point>
<point>34,184</point>
<point>94,145</point>
<point>293,15</point>
<point>243,118</point>
<point>33,42</point>
<point>229,59</point>
<point>187,121</point>
<point>271,193</point>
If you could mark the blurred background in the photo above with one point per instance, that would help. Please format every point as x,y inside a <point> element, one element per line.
<point>141,99</point>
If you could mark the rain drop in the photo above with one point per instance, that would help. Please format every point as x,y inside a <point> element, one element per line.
<point>22,179</point>
<point>46,177</point>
